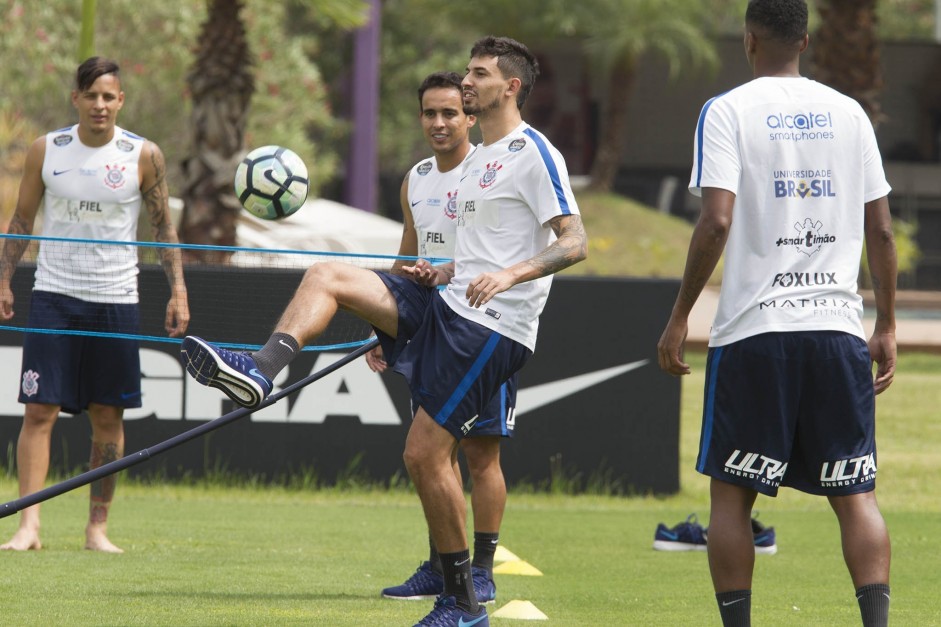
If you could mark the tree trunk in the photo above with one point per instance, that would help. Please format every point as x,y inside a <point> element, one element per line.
<point>613,123</point>
<point>846,52</point>
<point>221,85</point>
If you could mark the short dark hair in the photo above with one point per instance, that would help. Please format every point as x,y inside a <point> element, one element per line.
<point>439,79</point>
<point>782,20</point>
<point>514,60</point>
<point>92,68</point>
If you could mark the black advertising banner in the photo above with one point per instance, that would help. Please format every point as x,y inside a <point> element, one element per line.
<point>593,407</point>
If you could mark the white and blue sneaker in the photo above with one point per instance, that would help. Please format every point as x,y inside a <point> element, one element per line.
<point>448,614</point>
<point>233,373</point>
<point>686,536</point>
<point>764,537</point>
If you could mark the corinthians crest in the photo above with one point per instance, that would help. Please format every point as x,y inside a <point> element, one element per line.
<point>30,383</point>
<point>809,238</point>
<point>114,176</point>
<point>490,175</point>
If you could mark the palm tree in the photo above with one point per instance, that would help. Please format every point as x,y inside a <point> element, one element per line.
<point>221,85</point>
<point>622,34</point>
<point>617,36</point>
<point>846,52</point>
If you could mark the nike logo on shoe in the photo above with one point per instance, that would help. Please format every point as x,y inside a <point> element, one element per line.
<point>462,623</point>
<point>670,535</point>
<point>254,372</point>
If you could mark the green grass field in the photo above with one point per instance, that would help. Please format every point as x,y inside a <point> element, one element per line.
<point>212,555</point>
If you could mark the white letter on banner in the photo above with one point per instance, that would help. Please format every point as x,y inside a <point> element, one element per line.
<point>353,390</point>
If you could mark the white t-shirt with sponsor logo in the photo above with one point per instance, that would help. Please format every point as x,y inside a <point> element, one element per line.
<point>802,161</point>
<point>91,194</point>
<point>432,199</point>
<point>508,192</point>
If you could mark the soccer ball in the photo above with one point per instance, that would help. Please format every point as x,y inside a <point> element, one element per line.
<point>271,182</point>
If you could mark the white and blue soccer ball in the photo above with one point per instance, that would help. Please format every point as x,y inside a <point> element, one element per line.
<point>271,182</point>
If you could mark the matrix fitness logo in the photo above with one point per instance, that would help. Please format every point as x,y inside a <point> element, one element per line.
<point>809,239</point>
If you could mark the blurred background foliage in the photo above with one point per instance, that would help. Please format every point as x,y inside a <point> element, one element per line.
<point>302,59</point>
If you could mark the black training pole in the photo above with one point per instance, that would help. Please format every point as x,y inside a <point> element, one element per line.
<point>8,509</point>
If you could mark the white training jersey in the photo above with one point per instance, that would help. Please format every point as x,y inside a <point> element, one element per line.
<point>91,194</point>
<point>802,161</point>
<point>432,199</point>
<point>507,194</point>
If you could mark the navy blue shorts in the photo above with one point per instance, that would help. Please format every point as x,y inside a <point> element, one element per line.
<point>454,367</point>
<point>790,409</point>
<point>74,370</point>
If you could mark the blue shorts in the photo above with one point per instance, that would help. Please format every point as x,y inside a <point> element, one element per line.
<point>74,370</point>
<point>790,409</point>
<point>498,419</point>
<point>454,367</point>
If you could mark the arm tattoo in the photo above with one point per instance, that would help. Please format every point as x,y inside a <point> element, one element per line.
<point>156,201</point>
<point>570,247</point>
<point>13,249</point>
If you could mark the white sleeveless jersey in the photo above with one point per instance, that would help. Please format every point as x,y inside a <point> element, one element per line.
<point>91,194</point>
<point>802,161</point>
<point>508,192</point>
<point>432,199</point>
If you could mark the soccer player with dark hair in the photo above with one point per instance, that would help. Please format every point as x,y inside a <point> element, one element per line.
<point>91,179</point>
<point>792,186</point>
<point>429,207</point>
<point>517,225</point>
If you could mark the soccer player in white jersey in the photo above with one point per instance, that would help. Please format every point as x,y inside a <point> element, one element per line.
<point>792,185</point>
<point>429,208</point>
<point>91,180</point>
<point>456,347</point>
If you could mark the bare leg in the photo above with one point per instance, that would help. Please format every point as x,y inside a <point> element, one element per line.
<point>866,547</point>
<point>731,541</point>
<point>327,287</point>
<point>107,446</point>
<point>488,490</point>
<point>32,464</point>
<point>429,458</point>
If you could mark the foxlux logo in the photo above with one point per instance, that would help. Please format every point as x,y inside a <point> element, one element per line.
<point>846,472</point>
<point>803,279</point>
<point>799,121</point>
<point>809,240</point>
<point>755,466</point>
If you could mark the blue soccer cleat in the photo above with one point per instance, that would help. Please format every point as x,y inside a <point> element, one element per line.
<point>425,583</point>
<point>448,614</point>
<point>233,373</point>
<point>484,587</point>
<point>686,536</point>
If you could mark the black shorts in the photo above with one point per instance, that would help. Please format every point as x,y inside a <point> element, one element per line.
<point>454,367</point>
<point>790,409</point>
<point>74,370</point>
